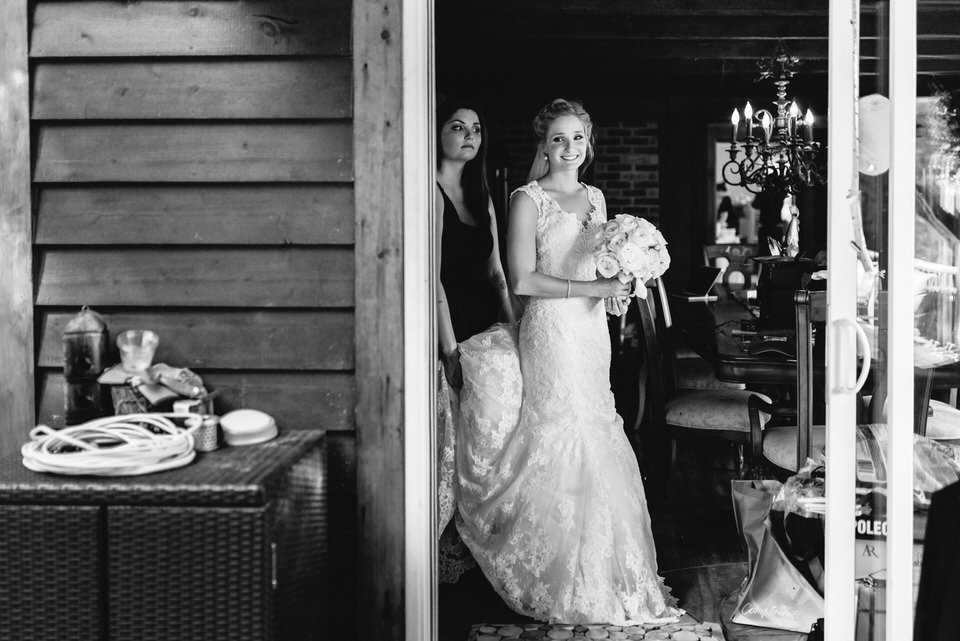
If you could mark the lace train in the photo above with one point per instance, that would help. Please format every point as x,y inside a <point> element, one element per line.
<point>555,515</point>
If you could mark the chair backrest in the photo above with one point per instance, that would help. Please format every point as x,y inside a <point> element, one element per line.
<point>658,349</point>
<point>736,260</point>
<point>810,307</point>
<point>655,387</point>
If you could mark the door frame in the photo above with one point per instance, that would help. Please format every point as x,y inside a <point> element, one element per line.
<point>419,320</point>
<point>420,535</point>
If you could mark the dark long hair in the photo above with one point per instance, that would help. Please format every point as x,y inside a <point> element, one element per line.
<point>476,190</point>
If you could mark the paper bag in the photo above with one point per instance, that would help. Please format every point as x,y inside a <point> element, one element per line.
<point>751,505</point>
<point>776,594</point>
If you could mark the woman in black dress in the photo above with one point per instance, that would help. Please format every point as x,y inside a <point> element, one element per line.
<point>472,293</point>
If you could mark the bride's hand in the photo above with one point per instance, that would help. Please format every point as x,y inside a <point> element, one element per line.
<point>612,288</point>
<point>617,306</point>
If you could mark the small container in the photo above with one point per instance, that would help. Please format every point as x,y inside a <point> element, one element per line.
<point>247,426</point>
<point>205,430</point>
<point>137,347</point>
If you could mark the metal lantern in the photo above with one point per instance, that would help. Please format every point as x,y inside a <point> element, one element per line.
<point>85,341</point>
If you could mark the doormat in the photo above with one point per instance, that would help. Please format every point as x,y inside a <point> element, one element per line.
<point>686,629</point>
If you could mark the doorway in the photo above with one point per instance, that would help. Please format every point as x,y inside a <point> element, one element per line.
<point>643,75</point>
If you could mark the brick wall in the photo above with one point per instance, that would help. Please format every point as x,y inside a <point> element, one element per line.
<point>626,168</point>
<point>626,165</point>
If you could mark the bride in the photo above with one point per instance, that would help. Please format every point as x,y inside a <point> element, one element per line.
<point>550,496</point>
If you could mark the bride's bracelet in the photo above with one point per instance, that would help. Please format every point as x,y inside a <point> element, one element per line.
<point>568,289</point>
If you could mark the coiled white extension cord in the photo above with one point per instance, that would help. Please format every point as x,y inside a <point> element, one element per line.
<point>124,445</point>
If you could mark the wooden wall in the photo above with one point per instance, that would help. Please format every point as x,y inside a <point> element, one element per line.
<point>193,174</point>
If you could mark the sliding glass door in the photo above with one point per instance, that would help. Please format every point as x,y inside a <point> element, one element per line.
<point>894,260</point>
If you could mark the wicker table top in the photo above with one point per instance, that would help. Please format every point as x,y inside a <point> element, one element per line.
<point>229,476</point>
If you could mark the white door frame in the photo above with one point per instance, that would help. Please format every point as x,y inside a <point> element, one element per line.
<point>419,346</point>
<point>420,358</point>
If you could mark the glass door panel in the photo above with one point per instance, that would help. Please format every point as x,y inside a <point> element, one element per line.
<point>907,300</point>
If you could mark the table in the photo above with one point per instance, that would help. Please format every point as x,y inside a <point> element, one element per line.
<point>708,328</point>
<point>231,547</point>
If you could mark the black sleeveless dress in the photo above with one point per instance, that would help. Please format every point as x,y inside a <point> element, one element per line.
<point>464,272</point>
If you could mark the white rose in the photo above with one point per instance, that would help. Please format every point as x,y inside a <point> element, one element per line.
<point>616,242</point>
<point>611,228</point>
<point>607,265</point>
<point>630,257</point>
<point>664,257</point>
<point>628,222</point>
<point>645,225</point>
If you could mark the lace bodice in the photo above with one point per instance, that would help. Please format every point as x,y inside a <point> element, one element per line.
<point>564,243</point>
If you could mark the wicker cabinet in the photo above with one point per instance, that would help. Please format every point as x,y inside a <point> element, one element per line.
<point>232,547</point>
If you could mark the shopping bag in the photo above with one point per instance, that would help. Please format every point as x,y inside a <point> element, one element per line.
<point>751,505</point>
<point>776,594</point>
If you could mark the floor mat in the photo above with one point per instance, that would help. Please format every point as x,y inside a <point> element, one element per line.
<point>686,629</point>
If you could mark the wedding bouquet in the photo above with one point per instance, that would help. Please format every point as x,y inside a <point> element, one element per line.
<point>629,248</point>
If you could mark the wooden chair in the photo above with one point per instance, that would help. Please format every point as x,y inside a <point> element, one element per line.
<point>787,447</point>
<point>735,260</point>
<point>668,413</point>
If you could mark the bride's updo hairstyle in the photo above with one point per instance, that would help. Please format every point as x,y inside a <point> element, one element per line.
<point>558,109</point>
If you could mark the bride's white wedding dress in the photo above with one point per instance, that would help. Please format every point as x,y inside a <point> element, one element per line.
<point>551,502</point>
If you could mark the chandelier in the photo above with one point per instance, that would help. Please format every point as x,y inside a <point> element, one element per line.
<point>782,157</point>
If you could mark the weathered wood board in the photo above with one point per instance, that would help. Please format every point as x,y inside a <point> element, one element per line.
<point>268,214</point>
<point>227,277</point>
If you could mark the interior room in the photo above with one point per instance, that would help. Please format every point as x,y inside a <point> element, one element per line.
<point>660,80</point>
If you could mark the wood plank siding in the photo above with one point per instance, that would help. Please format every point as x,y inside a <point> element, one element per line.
<point>193,173</point>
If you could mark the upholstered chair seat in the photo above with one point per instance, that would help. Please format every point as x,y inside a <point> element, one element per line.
<point>697,373</point>
<point>943,421</point>
<point>712,409</point>
<point>780,445</point>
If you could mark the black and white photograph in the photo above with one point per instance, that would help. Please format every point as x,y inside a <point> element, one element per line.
<point>435,320</point>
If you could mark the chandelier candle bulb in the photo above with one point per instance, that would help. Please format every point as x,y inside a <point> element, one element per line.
<point>794,116</point>
<point>734,121</point>
<point>766,123</point>
<point>748,116</point>
<point>808,130</point>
